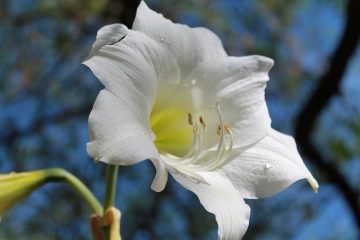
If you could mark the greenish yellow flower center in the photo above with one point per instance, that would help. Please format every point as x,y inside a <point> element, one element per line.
<point>182,139</point>
<point>173,134</point>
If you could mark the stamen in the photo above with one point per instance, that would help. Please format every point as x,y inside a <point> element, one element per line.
<point>221,141</point>
<point>202,141</point>
<point>190,153</point>
<point>227,128</point>
<point>190,163</point>
<point>229,132</point>
<point>200,147</point>
<point>201,120</point>
<point>190,119</point>
<point>218,129</point>
<point>221,148</point>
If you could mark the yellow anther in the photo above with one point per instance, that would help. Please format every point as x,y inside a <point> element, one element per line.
<point>190,119</point>
<point>227,128</point>
<point>201,120</point>
<point>218,129</point>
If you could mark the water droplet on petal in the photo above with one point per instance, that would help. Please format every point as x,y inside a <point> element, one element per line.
<point>193,81</point>
<point>162,39</point>
<point>268,165</point>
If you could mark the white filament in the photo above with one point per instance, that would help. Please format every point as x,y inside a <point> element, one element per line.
<point>189,164</point>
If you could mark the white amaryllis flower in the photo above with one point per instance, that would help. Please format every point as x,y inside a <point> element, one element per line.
<point>173,95</point>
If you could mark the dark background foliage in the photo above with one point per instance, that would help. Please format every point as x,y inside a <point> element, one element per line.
<point>46,96</point>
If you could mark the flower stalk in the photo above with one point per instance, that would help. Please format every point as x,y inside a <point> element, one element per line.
<point>59,174</point>
<point>110,190</point>
<point>112,226</point>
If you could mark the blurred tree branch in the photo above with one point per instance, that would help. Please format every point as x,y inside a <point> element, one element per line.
<point>328,86</point>
<point>123,11</point>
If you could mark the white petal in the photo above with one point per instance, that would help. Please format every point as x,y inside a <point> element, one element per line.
<point>132,68</point>
<point>221,198</point>
<point>190,46</point>
<point>117,135</point>
<point>238,85</point>
<point>267,167</point>
<point>161,176</point>
<point>108,35</point>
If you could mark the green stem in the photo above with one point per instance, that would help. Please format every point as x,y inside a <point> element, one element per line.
<point>59,174</point>
<point>110,192</point>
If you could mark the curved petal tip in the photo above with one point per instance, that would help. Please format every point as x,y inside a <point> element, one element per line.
<point>314,184</point>
<point>264,63</point>
<point>161,176</point>
<point>108,35</point>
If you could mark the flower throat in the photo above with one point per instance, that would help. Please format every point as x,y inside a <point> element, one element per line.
<point>182,138</point>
